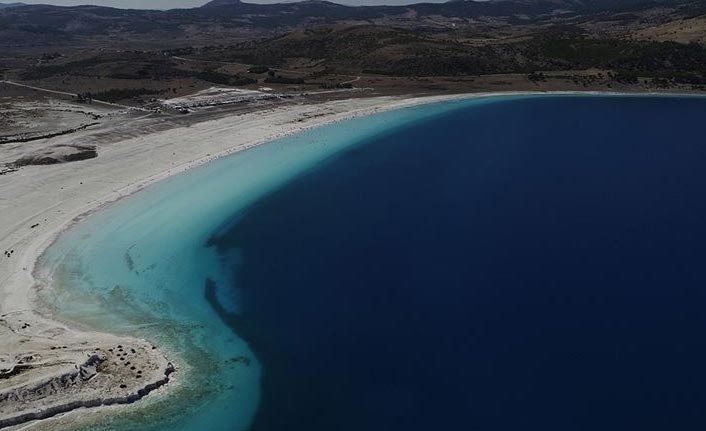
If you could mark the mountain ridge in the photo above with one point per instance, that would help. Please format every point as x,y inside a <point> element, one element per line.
<point>228,20</point>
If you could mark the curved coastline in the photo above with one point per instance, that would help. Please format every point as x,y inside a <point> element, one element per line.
<point>22,312</point>
<point>18,286</point>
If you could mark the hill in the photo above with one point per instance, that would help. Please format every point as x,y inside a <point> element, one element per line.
<point>509,44</point>
<point>229,20</point>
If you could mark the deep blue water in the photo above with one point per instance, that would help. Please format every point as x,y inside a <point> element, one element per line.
<point>532,264</point>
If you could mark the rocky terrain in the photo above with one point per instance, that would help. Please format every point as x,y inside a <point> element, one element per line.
<point>47,369</point>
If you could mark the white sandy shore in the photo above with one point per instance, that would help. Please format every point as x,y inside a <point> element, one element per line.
<point>54,197</point>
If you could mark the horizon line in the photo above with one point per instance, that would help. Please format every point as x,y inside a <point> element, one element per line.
<point>285,2</point>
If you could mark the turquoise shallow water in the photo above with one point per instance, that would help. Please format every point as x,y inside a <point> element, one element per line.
<point>138,267</point>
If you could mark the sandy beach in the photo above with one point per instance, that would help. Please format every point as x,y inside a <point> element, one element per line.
<point>50,367</point>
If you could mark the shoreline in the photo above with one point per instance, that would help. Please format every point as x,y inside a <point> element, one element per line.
<point>113,178</point>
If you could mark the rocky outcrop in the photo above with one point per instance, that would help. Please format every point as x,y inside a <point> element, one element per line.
<point>86,371</point>
<point>57,154</point>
